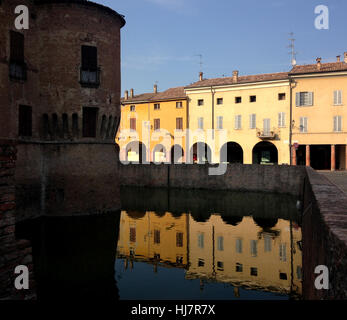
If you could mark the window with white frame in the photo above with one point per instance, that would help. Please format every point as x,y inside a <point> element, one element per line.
<point>303,124</point>
<point>238,122</point>
<point>337,97</point>
<point>281,119</point>
<point>283,252</point>
<point>337,123</point>
<point>132,108</point>
<point>179,105</point>
<point>253,248</point>
<point>304,99</point>
<point>239,245</point>
<point>220,122</point>
<point>220,243</point>
<point>201,123</point>
<point>252,121</point>
<point>200,240</point>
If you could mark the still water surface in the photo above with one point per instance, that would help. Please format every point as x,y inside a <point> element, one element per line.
<point>176,244</point>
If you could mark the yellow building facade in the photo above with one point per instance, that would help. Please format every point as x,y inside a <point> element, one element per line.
<point>251,111</point>
<point>152,126</point>
<point>319,126</point>
<point>296,117</point>
<point>246,255</point>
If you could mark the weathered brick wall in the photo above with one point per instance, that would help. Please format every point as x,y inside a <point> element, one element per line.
<point>12,252</point>
<point>324,236</point>
<point>257,178</point>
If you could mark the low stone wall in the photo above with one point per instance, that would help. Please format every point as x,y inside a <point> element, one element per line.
<point>256,178</point>
<point>12,252</point>
<point>324,236</point>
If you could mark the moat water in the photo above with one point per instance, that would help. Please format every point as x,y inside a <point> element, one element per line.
<point>172,244</point>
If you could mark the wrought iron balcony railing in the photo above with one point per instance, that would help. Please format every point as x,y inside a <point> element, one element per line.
<point>18,71</point>
<point>90,78</point>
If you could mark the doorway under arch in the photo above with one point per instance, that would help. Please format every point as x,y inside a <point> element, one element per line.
<point>231,152</point>
<point>136,152</point>
<point>200,152</point>
<point>265,153</point>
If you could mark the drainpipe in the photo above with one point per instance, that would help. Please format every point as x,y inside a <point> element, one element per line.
<point>187,152</point>
<point>212,93</point>
<point>290,120</point>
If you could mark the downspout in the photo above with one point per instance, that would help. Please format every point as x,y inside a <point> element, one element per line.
<point>290,120</point>
<point>187,152</point>
<point>212,93</point>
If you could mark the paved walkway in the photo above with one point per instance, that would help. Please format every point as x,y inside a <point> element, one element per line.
<point>338,178</point>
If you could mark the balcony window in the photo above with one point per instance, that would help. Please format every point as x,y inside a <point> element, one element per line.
<point>156,124</point>
<point>90,73</point>
<point>179,123</point>
<point>18,68</point>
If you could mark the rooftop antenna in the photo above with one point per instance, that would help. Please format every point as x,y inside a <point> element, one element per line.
<point>292,47</point>
<point>201,63</point>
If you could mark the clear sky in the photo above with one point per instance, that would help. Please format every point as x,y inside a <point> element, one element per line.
<point>162,38</point>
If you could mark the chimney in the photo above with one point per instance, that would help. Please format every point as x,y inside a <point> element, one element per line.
<point>235,75</point>
<point>201,76</point>
<point>319,63</point>
<point>338,58</point>
<point>345,57</point>
<point>126,95</point>
<point>155,88</point>
<point>131,93</point>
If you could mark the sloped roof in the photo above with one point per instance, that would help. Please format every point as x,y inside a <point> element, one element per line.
<point>313,68</point>
<point>240,80</point>
<point>169,94</point>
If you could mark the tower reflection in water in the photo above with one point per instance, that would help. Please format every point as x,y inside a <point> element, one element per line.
<point>163,255</point>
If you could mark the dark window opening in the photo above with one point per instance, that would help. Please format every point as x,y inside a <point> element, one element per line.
<point>252,98</point>
<point>281,96</point>
<point>239,267</point>
<point>132,235</point>
<point>201,262</point>
<point>156,106</point>
<point>25,121</point>
<point>18,69</point>
<point>238,99</point>
<point>283,276</point>
<point>200,102</point>
<point>220,266</point>
<point>254,272</point>
<point>89,122</point>
<point>219,100</point>
<point>90,73</point>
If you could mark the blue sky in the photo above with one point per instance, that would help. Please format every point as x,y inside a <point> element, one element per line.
<point>162,38</point>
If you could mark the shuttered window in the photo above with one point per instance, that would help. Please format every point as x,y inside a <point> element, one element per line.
<point>238,120</point>
<point>219,122</point>
<point>157,236</point>
<point>281,119</point>
<point>201,123</point>
<point>89,122</point>
<point>156,124</point>
<point>266,125</point>
<point>89,58</point>
<point>17,47</point>
<point>304,99</point>
<point>179,123</point>
<point>132,234</point>
<point>252,121</point>
<point>132,123</point>
<point>179,239</point>
<point>337,123</point>
<point>303,124</point>
<point>220,243</point>
<point>338,97</point>
<point>200,240</point>
<point>254,251</point>
<point>239,245</point>
<point>25,121</point>
<point>283,252</point>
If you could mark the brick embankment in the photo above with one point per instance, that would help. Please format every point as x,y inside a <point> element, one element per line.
<point>12,252</point>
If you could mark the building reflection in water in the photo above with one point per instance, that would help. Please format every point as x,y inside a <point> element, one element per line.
<point>260,254</point>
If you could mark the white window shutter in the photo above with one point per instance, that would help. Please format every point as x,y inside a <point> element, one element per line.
<point>310,98</point>
<point>335,123</point>
<point>336,97</point>
<point>298,99</point>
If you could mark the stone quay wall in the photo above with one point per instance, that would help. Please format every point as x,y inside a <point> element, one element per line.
<point>256,178</point>
<point>13,252</point>
<point>324,230</point>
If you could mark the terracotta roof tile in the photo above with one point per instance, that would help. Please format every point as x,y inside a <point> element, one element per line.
<point>172,93</point>
<point>241,79</point>
<point>313,68</point>
<point>138,98</point>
